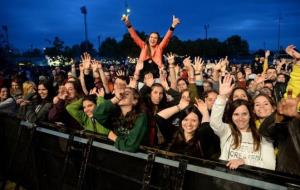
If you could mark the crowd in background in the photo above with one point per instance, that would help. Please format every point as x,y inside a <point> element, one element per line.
<point>243,114</point>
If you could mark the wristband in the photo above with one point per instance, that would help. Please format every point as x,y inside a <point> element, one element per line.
<point>177,106</point>
<point>172,28</point>
<point>129,26</point>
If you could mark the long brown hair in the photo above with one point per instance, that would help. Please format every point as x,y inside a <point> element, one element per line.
<point>128,120</point>
<point>235,132</point>
<point>148,45</point>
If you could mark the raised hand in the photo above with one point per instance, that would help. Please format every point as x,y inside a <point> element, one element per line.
<point>86,60</point>
<point>201,105</point>
<point>175,21</point>
<point>171,58</point>
<point>132,82</point>
<point>187,62</point>
<point>198,64</point>
<point>94,65</point>
<point>101,92</point>
<point>125,19</point>
<point>97,92</point>
<point>224,64</point>
<point>93,91</point>
<point>119,93</point>
<point>139,66</point>
<point>120,73</point>
<point>218,65</point>
<point>62,93</point>
<point>183,103</point>
<point>289,105</point>
<point>292,52</point>
<point>225,86</point>
<point>267,53</point>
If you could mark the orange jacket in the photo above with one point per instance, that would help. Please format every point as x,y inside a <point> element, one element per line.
<point>158,50</point>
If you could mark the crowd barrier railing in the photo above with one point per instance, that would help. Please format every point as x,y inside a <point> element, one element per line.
<point>48,156</point>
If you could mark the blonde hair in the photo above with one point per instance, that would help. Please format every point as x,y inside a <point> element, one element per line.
<point>27,87</point>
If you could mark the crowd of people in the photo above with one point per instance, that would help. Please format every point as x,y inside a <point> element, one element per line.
<point>243,114</point>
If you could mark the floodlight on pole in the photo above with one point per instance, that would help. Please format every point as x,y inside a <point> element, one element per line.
<point>84,12</point>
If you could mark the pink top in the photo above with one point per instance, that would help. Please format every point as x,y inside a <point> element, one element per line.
<point>158,49</point>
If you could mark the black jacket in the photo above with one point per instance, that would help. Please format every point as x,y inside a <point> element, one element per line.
<point>286,136</point>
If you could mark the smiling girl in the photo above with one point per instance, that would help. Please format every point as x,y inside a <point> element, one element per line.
<point>240,141</point>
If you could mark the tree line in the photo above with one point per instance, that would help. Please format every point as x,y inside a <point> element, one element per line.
<point>233,46</point>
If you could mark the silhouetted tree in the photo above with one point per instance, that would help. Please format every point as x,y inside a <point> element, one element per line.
<point>236,46</point>
<point>87,47</point>
<point>33,53</point>
<point>110,48</point>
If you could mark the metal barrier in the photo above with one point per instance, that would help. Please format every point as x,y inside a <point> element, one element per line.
<point>46,157</point>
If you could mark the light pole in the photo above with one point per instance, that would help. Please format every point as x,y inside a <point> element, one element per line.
<point>278,37</point>
<point>206,26</point>
<point>84,12</point>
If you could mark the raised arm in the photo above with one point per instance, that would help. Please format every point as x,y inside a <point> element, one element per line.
<point>163,44</point>
<point>132,32</point>
<point>202,107</point>
<point>294,82</point>
<point>218,108</point>
<point>134,80</point>
<point>198,67</point>
<point>73,67</point>
<point>172,74</point>
<point>81,79</point>
<point>266,61</point>
<point>169,112</point>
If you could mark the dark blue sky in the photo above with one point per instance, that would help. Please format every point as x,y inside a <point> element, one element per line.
<point>30,22</point>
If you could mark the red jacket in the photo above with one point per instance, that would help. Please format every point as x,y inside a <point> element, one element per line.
<point>158,50</point>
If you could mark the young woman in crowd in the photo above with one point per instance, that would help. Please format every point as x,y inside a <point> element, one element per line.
<point>155,99</point>
<point>151,50</point>
<point>7,103</point>
<point>15,89</point>
<point>124,115</point>
<point>264,107</point>
<point>240,141</point>
<point>38,111</point>
<point>67,93</point>
<point>193,136</point>
<point>29,96</point>
<point>83,108</point>
<point>281,125</point>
